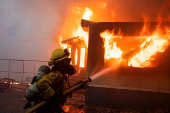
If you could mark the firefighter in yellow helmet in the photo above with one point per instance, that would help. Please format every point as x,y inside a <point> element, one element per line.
<point>52,85</point>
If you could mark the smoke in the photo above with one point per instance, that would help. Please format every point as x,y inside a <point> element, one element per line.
<point>133,10</point>
<point>115,11</point>
<point>30,28</point>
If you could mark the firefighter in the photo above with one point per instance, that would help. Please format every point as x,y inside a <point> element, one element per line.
<point>51,86</point>
<point>32,93</point>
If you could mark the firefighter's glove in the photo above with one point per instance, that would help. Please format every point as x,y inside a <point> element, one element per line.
<point>85,86</point>
<point>27,105</point>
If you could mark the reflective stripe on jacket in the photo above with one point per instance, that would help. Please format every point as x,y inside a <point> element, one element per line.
<point>48,84</point>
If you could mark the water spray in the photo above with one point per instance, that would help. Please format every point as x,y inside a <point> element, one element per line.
<point>102,72</point>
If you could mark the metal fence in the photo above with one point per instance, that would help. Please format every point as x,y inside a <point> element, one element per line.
<point>20,70</point>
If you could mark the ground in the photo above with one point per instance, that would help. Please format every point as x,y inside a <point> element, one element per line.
<point>13,102</point>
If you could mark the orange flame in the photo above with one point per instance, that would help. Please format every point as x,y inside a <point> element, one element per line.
<point>76,57</point>
<point>83,36</point>
<point>62,45</point>
<point>152,45</point>
<point>80,32</point>
<point>111,50</point>
<point>88,13</point>
<point>82,57</point>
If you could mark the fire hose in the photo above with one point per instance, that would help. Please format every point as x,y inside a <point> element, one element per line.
<point>77,86</point>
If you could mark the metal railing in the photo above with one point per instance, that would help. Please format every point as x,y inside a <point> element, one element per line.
<point>20,70</point>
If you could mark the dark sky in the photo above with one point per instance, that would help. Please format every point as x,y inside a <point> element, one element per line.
<point>28,28</point>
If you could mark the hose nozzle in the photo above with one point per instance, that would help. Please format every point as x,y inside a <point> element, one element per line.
<point>89,79</point>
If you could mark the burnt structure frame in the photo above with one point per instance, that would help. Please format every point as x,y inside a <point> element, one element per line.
<point>95,62</point>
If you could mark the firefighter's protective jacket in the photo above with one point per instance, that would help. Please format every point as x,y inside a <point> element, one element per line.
<point>51,83</point>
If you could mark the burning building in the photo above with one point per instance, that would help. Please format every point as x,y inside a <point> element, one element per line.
<point>138,78</point>
<point>131,57</point>
<point>78,51</point>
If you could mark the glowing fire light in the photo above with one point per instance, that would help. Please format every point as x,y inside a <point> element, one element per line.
<point>87,14</point>
<point>111,50</point>
<point>82,35</point>
<point>82,57</point>
<point>62,45</point>
<point>76,56</point>
<point>14,83</point>
<point>80,32</point>
<point>150,47</point>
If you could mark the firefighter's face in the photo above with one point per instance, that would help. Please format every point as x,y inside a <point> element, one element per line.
<point>68,67</point>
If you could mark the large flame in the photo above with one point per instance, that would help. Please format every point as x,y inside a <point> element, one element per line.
<point>111,50</point>
<point>83,36</point>
<point>152,45</point>
<point>80,32</point>
<point>158,42</point>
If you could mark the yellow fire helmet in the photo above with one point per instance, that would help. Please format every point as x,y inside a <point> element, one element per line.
<point>58,55</point>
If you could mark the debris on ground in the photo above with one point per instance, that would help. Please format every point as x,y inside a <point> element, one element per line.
<point>14,101</point>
